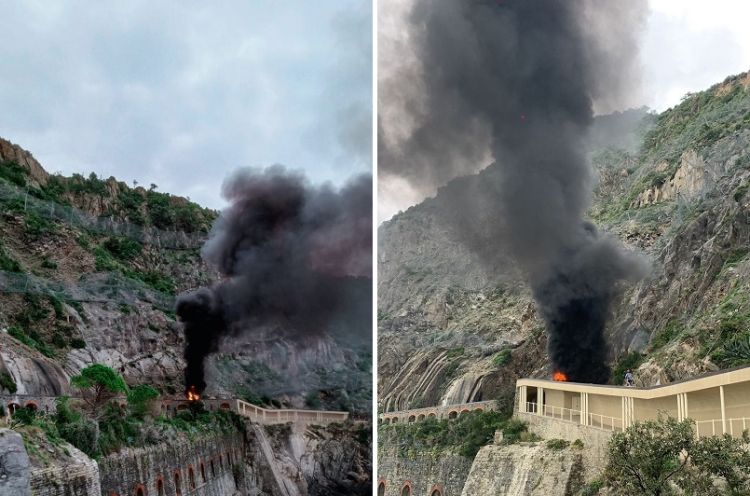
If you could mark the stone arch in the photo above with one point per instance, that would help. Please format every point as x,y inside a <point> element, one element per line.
<point>381,488</point>
<point>436,490</point>
<point>225,406</point>
<point>421,417</point>
<point>213,468</point>
<point>479,408</point>
<point>203,472</point>
<point>177,483</point>
<point>191,477</point>
<point>465,411</point>
<point>31,405</point>
<point>411,418</point>
<point>140,490</point>
<point>160,486</point>
<point>13,407</point>
<point>406,489</point>
<point>432,414</point>
<point>452,414</point>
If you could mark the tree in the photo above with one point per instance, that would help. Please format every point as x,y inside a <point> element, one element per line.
<point>657,457</point>
<point>98,384</point>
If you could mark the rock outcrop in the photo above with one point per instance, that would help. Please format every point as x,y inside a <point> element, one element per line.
<point>14,464</point>
<point>524,469</point>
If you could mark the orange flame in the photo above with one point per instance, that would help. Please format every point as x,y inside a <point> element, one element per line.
<point>559,377</point>
<point>192,394</point>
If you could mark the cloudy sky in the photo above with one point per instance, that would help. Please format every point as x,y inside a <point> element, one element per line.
<point>686,46</point>
<point>180,93</point>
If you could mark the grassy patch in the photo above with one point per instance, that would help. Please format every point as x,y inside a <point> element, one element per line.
<point>502,359</point>
<point>666,335</point>
<point>7,263</point>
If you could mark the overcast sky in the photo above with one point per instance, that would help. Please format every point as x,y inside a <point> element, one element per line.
<point>686,46</point>
<point>181,93</point>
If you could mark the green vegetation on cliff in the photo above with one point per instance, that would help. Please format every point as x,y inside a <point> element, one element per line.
<point>463,435</point>
<point>100,425</point>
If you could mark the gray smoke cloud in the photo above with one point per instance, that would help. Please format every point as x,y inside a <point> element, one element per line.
<point>292,255</point>
<point>517,81</point>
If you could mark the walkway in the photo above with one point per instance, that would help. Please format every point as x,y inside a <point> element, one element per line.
<point>718,402</point>
<point>170,407</point>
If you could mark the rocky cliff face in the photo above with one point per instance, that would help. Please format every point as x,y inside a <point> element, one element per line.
<point>456,325</point>
<point>89,269</point>
<point>319,461</point>
<point>524,469</point>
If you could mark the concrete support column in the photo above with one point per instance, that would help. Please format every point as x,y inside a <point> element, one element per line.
<point>584,408</point>
<point>522,392</point>
<point>682,407</point>
<point>628,412</point>
<point>723,410</point>
<point>540,401</point>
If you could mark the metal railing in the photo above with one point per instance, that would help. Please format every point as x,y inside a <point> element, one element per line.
<point>268,416</point>
<point>595,420</point>
<point>715,427</point>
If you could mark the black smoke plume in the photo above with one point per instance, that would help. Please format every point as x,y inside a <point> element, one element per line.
<point>288,252</point>
<point>516,80</point>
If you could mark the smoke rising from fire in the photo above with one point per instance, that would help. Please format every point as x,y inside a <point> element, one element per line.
<point>288,251</point>
<point>516,81</point>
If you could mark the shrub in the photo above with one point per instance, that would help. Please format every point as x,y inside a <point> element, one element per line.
<point>502,358</point>
<point>59,340</point>
<point>77,343</point>
<point>7,263</point>
<point>82,434</point>
<point>592,488</point>
<point>578,444</point>
<point>140,399</point>
<point>29,341</point>
<point>123,248</point>
<point>557,444</point>
<point>36,227</point>
<point>7,383</point>
<point>11,171</point>
<point>312,400</point>
<point>48,264</point>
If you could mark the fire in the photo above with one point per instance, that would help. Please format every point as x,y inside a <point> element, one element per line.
<point>192,394</point>
<point>559,377</point>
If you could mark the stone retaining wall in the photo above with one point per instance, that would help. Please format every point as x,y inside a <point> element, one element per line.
<point>446,473</point>
<point>203,467</point>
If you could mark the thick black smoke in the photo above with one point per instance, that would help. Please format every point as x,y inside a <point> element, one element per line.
<point>288,252</point>
<point>517,79</point>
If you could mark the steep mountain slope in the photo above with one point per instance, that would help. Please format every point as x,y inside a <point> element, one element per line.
<point>89,269</point>
<point>458,325</point>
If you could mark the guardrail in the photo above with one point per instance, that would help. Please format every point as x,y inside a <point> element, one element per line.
<point>715,427</point>
<point>268,416</point>
<point>569,415</point>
